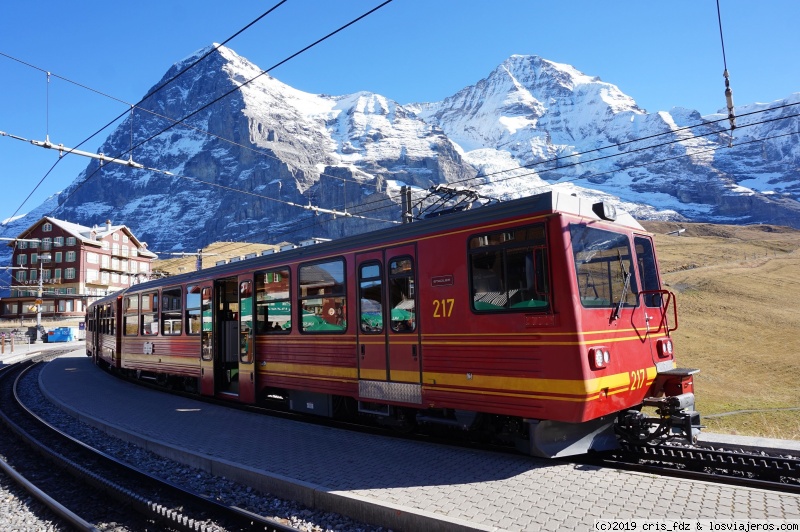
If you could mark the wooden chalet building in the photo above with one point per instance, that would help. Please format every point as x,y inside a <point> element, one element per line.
<point>73,265</point>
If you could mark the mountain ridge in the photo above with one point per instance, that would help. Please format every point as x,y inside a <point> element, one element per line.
<point>531,117</point>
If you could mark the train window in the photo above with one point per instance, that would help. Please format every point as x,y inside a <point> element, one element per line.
<point>130,321</point>
<point>194,320</point>
<point>602,263</point>
<point>402,299</point>
<point>273,302</point>
<point>171,311</point>
<point>648,272</point>
<point>509,270</point>
<point>370,297</point>
<point>322,297</point>
<point>149,314</point>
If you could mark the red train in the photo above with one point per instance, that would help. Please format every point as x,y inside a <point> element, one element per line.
<point>540,321</point>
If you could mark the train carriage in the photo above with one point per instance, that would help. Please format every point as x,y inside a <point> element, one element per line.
<point>540,320</point>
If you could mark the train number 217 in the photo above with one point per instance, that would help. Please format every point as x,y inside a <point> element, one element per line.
<point>637,379</point>
<point>443,308</point>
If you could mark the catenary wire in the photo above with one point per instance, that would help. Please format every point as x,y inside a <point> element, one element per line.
<point>147,96</point>
<point>264,72</point>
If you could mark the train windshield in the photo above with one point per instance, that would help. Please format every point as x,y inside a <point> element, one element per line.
<point>604,267</point>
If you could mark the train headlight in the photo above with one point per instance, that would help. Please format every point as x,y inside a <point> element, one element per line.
<point>599,357</point>
<point>664,348</point>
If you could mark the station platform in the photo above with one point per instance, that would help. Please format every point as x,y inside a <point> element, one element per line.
<point>393,483</point>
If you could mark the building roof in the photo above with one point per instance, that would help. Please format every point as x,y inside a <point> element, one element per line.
<point>90,235</point>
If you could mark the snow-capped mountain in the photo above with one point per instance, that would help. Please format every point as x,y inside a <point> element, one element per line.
<point>250,151</point>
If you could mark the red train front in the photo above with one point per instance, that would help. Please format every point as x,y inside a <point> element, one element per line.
<point>540,321</point>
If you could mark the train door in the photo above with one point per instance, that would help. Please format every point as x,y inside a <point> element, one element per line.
<point>234,368</point>
<point>200,299</point>
<point>388,335</point>
<point>246,340</point>
<point>403,343</point>
<point>226,336</point>
<point>652,316</point>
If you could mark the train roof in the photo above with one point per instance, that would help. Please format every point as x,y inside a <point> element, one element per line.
<point>548,202</point>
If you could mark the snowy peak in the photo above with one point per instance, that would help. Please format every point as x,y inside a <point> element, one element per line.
<point>238,152</point>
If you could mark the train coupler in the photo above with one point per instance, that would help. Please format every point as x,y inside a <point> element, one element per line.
<point>677,419</point>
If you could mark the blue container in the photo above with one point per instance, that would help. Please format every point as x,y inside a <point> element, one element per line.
<point>61,334</point>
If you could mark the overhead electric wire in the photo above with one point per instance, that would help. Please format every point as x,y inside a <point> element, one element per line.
<point>225,95</point>
<point>159,88</point>
<point>557,159</point>
<point>617,145</point>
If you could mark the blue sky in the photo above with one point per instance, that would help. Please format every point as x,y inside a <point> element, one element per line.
<point>661,54</point>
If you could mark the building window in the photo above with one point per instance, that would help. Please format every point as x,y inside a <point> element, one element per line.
<point>22,245</point>
<point>70,256</point>
<point>22,276</point>
<point>69,273</point>
<point>116,237</point>
<point>57,273</point>
<point>47,227</point>
<point>124,239</point>
<point>22,259</point>
<point>46,243</point>
<point>58,241</point>
<point>70,240</point>
<point>91,275</point>
<point>91,258</point>
<point>34,258</point>
<point>34,275</point>
<point>58,256</point>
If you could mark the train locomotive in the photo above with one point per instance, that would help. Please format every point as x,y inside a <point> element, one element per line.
<point>540,322</point>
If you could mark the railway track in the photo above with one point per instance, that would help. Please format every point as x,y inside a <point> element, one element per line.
<point>89,490</point>
<point>756,468</point>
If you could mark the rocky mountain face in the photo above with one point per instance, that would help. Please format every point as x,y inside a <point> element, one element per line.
<point>248,153</point>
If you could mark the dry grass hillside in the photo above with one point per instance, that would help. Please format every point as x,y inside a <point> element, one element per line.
<point>212,254</point>
<point>738,293</point>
